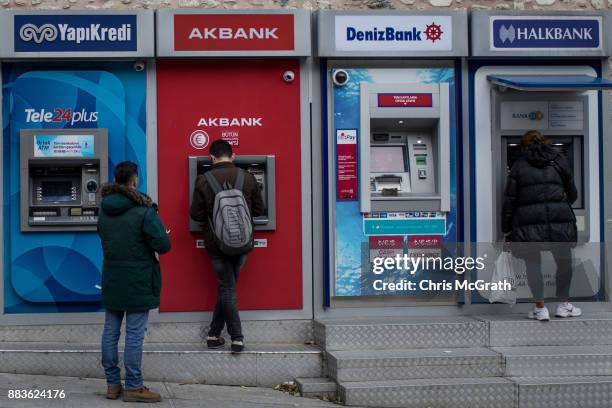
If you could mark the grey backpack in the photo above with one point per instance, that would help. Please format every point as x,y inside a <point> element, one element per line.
<point>231,221</point>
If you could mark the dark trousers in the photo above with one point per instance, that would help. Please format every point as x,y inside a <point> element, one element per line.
<point>562,255</point>
<point>227,269</point>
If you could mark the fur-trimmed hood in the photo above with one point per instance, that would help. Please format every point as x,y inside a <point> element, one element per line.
<point>117,199</point>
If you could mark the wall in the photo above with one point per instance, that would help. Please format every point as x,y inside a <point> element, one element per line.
<point>313,4</point>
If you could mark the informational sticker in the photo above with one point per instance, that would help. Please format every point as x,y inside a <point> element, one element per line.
<point>425,246</point>
<point>260,242</point>
<point>566,115</point>
<point>231,136</point>
<point>385,246</point>
<point>405,100</point>
<point>404,226</point>
<point>346,157</point>
<point>200,244</point>
<point>64,146</point>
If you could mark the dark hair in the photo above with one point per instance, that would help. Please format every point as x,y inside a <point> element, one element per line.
<point>533,136</point>
<point>220,148</point>
<point>125,172</point>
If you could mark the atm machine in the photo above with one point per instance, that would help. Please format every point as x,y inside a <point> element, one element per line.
<point>60,178</point>
<point>261,167</point>
<point>405,163</point>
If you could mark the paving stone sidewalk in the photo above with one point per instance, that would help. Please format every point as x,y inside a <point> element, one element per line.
<point>88,393</point>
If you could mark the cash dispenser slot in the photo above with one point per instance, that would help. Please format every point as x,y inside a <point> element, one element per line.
<point>263,170</point>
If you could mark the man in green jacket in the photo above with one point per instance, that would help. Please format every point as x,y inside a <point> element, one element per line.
<point>132,235</point>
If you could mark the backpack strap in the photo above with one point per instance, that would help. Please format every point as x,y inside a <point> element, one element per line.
<point>212,182</point>
<point>239,179</point>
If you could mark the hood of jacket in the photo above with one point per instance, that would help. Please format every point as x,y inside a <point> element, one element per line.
<point>540,155</point>
<point>117,199</point>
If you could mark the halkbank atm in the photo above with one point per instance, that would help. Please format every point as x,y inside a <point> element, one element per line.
<point>545,73</point>
<point>389,148</point>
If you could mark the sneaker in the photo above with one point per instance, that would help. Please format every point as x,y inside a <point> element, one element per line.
<point>141,395</point>
<point>237,346</point>
<point>538,313</point>
<point>568,310</point>
<point>215,342</point>
<point>114,391</point>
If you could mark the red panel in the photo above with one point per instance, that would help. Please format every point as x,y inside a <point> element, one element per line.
<point>215,92</point>
<point>233,32</point>
<point>405,100</point>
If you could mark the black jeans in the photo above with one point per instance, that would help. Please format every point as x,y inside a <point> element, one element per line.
<point>562,255</point>
<point>227,269</point>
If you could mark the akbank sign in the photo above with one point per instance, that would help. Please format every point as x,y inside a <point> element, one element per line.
<point>75,33</point>
<point>545,33</point>
<point>393,33</point>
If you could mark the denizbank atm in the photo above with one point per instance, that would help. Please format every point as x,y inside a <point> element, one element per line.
<point>74,104</point>
<point>545,73</point>
<point>389,152</point>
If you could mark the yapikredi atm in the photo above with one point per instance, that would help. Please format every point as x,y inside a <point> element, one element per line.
<point>543,72</point>
<point>74,89</point>
<point>240,76</point>
<point>390,106</point>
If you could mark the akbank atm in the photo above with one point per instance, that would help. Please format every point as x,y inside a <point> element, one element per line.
<point>60,177</point>
<point>514,90</point>
<point>263,170</point>
<point>404,149</point>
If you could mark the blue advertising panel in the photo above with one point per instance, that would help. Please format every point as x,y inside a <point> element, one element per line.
<point>73,33</point>
<point>64,146</point>
<point>47,272</point>
<point>549,33</point>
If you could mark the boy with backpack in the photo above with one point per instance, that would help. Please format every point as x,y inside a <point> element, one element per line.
<point>224,200</point>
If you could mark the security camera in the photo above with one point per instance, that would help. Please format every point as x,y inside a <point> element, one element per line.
<point>288,76</point>
<point>139,66</point>
<point>340,77</point>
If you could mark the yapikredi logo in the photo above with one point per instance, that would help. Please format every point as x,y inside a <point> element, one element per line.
<point>73,33</point>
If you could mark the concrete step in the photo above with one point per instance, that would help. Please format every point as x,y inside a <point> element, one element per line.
<point>517,330</point>
<point>405,364</point>
<point>564,392</point>
<point>318,387</point>
<point>394,333</point>
<point>428,393</point>
<point>265,332</point>
<point>259,365</point>
<point>556,361</point>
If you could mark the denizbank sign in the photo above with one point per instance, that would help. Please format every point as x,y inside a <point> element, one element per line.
<point>75,33</point>
<point>393,33</point>
<point>545,33</point>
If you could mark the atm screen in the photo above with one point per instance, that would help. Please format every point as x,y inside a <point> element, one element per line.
<point>56,191</point>
<point>387,159</point>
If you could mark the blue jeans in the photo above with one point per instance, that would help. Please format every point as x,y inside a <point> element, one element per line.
<point>135,330</point>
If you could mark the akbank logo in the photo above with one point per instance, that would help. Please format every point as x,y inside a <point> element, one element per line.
<point>199,139</point>
<point>30,32</point>
<point>75,33</point>
<point>546,33</point>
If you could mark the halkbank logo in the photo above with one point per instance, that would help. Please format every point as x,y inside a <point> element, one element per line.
<point>70,33</point>
<point>526,32</point>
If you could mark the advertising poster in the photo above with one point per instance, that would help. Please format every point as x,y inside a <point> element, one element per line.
<point>61,271</point>
<point>357,235</point>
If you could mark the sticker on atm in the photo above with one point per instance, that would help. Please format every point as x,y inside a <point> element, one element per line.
<point>346,164</point>
<point>405,100</point>
<point>64,146</point>
<point>385,246</point>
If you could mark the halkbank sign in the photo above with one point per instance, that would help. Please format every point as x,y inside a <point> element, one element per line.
<point>545,32</point>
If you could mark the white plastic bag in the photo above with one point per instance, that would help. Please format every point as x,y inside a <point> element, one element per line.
<point>504,271</point>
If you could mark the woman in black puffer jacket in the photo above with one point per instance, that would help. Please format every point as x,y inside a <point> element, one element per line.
<point>537,210</point>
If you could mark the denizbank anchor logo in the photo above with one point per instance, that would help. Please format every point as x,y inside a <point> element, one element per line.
<point>75,33</point>
<point>545,33</point>
<point>393,33</point>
